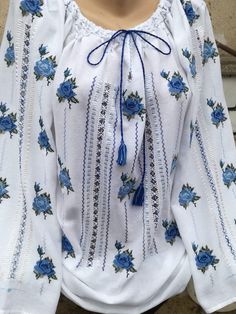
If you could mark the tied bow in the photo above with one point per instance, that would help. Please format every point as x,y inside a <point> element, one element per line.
<point>122,151</point>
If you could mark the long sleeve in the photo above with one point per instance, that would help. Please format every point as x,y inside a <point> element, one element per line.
<point>30,234</point>
<point>203,198</point>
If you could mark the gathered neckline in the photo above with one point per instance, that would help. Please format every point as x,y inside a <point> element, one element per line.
<point>91,27</point>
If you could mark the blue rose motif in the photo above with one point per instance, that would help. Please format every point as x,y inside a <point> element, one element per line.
<point>3,190</point>
<point>10,55</point>
<point>132,105</point>
<point>187,195</point>
<point>43,139</point>
<point>123,260</point>
<point>125,189</point>
<point>209,51</point>
<point>7,124</point>
<point>65,90</point>
<point>176,85</point>
<point>44,267</point>
<point>171,232</point>
<point>192,67</point>
<point>31,6</point>
<point>217,115</point>
<point>66,246</point>
<point>204,259</point>
<point>44,68</point>
<point>41,203</point>
<point>190,13</point>
<point>64,178</point>
<point>229,176</point>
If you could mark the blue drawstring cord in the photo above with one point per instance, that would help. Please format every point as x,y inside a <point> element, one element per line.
<point>122,151</point>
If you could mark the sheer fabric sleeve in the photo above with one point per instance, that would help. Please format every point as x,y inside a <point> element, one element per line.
<point>203,197</point>
<point>31,236</point>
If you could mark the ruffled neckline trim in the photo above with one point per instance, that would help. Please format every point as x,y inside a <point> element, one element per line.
<point>86,26</point>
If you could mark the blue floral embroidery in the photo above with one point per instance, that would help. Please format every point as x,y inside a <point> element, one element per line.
<point>132,105</point>
<point>171,232</point>
<point>44,266</point>
<point>192,61</point>
<point>190,12</point>
<point>43,139</point>
<point>128,186</point>
<point>45,67</point>
<point>176,84</point>
<point>123,260</point>
<point>208,51</point>
<point>64,177</point>
<point>3,190</point>
<point>66,246</point>
<point>229,174</point>
<point>217,115</point>
<point>33,7</point>
<point>187,195</point>
<point>65,90</point>
<point>42,202</point>
<point>204,258</point>
<point>7,122</point>
<point>10,53</point>
<point>173,164</point>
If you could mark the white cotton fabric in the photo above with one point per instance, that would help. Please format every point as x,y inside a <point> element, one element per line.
<point>85,135</point>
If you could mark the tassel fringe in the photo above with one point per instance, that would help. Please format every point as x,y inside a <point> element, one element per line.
<point>122,154</point>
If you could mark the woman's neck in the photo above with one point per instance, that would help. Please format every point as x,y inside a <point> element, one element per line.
<point>117,13</point>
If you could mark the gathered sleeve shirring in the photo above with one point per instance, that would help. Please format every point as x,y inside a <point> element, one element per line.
<point>30,191</point>
<point>203,196</point>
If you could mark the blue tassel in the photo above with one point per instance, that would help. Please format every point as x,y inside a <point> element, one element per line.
<point>122,154</point>
<point>138,198</point>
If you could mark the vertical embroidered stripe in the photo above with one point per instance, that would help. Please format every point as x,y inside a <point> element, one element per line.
<point>97,174</point>
<point>23,88</point>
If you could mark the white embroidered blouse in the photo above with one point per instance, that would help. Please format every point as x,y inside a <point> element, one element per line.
<point>117,163</point>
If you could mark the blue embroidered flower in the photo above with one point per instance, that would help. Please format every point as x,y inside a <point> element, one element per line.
<point>65,90</point>
<point>173,164</point>
<point>190,12</point>
<point>209,52</point>
<point>176,84</point>
<point>43,139</point>
<point>132,105</point>
<point>192,61</point>
<point>42,202</point>
<point>204,258</point>
<point>171,232</point>
<point>3,190</point>
<point>123,260</point>
<point>64,177</point>
<point>44,266</point>
<point>217,115</point>
<point>10,53</point>
<point>33,7</point>
<point>127,188</point>
<point>45,67</point>
<point>187,195</point>
<point>66,246</point>
<point>229,174</point>
<point>7,122</point>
